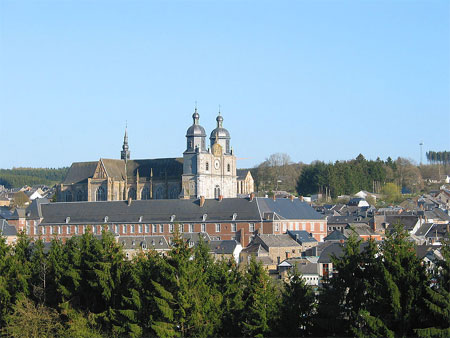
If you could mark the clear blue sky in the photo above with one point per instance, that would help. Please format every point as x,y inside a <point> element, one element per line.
<point>322,80</point>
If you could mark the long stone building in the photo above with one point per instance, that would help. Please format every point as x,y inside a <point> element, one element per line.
<point>238,219</point>
<point>208,172</point>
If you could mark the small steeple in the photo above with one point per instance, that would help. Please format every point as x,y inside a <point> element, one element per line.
<point>125,153</point>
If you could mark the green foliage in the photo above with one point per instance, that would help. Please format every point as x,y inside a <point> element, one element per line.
<point>342,177</point>
<point>260,302</point>
<point>391,193</point>
<point>18,177</point>
<point>28,320</point>
<point>297,307</point>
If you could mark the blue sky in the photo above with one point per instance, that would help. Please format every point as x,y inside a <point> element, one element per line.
<point>318,80</point>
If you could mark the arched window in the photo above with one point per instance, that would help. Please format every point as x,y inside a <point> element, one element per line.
<point>68,196</point>
<point>132,193</point>
<point>207,166</point>
<point>228,167</point>
<point>80,195</point>
<point>216,191</point>
<point>145,193</point>
<point>100,195</point>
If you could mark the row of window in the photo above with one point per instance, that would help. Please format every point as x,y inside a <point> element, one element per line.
<point>127,228</point>
<point>301,226</point>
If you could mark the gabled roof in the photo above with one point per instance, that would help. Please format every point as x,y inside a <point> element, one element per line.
<point>225,247</point>
<point>242,173</point>
<point>423,230</point>
<point>152,211</point>
<point>287,208</point>
<point>276,241</point>
<point>79,172</point>
<point>301,236</point>
<point>336,235</point>
<point>6,229</point>
<point>408,221</point>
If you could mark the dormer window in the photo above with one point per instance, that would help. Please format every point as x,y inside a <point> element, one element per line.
<point>204,217</point>
<point>67,220</point>
<point>106,219</point>
<point>133,243</point>
<point>153,242</point>
<point>172,218</point>
<point>234,216</point>
<point>140,219</point>
<point>144,245</point>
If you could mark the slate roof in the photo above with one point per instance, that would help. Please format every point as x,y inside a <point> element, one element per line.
<point>301,236</point>
<point>346,219</point>
<point>422,250</point>
<point>438,230</point>
<point>5,213</point>
<point>152,211</point>
<point>287,208</point>
<point>241,173</point>
<point>359,229</point>
<point>303,266</point>
<point>408,221</point>
<point>424,228</point>
<point>336,249</point>
<point>139,242</point>
<point>336,235</point>
<point>6,229</point>
<point>79,172</point>
<point>277,241</point>
<point>225,247</point>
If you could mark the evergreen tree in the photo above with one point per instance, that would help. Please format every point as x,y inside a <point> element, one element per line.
<point>438,299</point>
<point>260,302</point>
<point>297,307</point>
<point>185,301</point>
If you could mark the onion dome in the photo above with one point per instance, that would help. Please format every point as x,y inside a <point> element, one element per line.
<point>196,129</point>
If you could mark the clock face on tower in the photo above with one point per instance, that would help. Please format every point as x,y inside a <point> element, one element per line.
<point>216,164</point>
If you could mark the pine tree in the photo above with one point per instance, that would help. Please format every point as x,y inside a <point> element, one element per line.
<point>184,299</point>
<point>297,307</point>
<point>438,299</point>
<point>260,302</point>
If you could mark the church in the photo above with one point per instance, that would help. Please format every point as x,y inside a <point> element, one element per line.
<point>208,172</point>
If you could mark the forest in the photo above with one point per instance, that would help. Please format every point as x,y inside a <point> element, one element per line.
<point>278,172</point>
<point>19,177</point>
<point>86,288</point>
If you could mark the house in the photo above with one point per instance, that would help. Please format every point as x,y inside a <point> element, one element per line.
<point>278,247</point>
<point>258,252</point>
<point>308,269</point>
<point>292,214</point>
<point>8,232</point>
<point>358,202</point>
<point>429,255</point>
<point>362,230</point>
<point>303,238</point>
<point>336,236</point>
<point>227,249</point>
<point>245,182</point>
<point>437,233</point>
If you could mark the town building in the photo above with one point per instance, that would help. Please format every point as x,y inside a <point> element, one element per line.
<point>238,219</point>
<point>209,172</point>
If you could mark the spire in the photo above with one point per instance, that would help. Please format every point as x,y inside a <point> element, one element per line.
<point>125,153</point>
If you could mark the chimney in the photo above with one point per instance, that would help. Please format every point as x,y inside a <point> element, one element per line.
<point>274,197</point>
<point>301,198</point>
<point>292,198</point>
<point>129,201</point>
<point>220,198</point>
<point>202,201</point>
<point>252,196</point>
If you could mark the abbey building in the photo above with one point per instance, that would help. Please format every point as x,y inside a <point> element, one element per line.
<point>209,172</point>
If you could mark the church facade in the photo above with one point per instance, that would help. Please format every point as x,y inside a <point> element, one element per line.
<point>209,172</point>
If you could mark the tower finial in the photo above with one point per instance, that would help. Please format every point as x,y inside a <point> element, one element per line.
<point>125,153</point>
